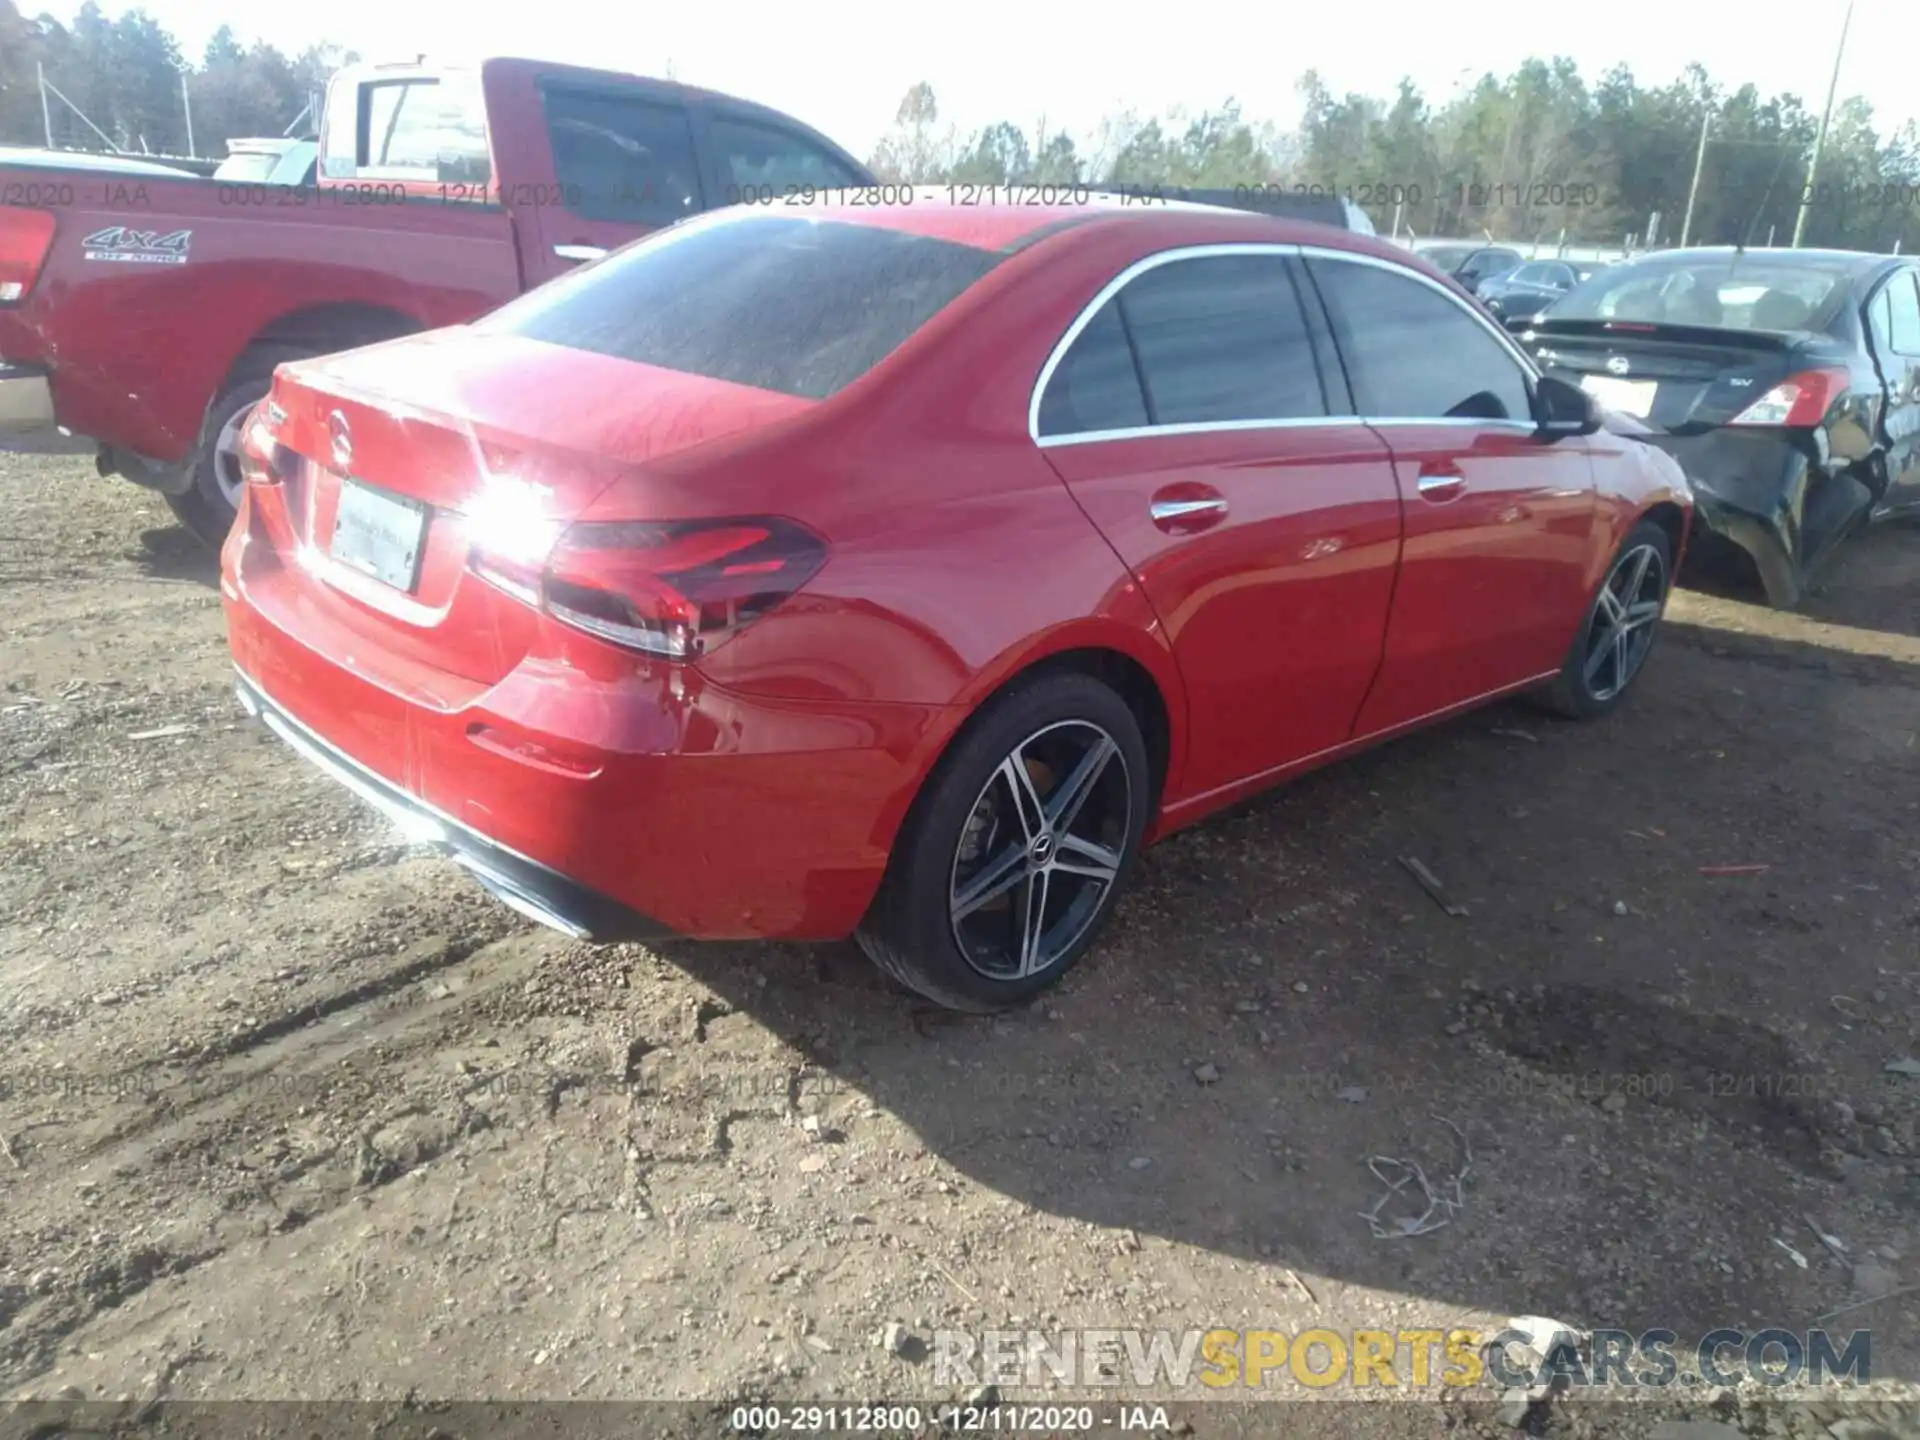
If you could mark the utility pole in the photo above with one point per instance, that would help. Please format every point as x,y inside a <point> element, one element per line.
<point>186,102</point>
<point>1820,135</point>
<point>1693,190</point>
<point>46,114</point>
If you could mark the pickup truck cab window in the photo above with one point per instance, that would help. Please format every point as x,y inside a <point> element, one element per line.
<point>622,157</point>
<point>429,129</point>
<point>762,162</point>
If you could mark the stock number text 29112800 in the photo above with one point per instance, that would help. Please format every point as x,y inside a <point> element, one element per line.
<point>1364,193</point>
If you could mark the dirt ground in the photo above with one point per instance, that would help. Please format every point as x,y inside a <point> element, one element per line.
<point>288,1111</point>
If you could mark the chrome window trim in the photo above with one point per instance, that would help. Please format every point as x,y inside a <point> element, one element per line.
<point>1529,371</point>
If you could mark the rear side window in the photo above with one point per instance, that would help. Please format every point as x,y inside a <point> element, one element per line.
<point>621,157</point>
<point>423,130</point>
<point>803,307</point>
<point>1095,386</point>
<point>1222,338</point>
<point>1413,353</point>
<point>1211,340</point>
<point>765,161</point>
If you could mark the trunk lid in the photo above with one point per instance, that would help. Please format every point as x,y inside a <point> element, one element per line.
<point>1676,378</point>
<point>489,440</point>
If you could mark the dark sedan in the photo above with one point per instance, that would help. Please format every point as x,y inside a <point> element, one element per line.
<point>1526,292</point>
<point>1786,382</point>
<point>1470,264</point>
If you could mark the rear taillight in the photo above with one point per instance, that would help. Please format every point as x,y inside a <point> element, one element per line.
<point>25,238</point>
<point>263,459</point>
<point>1798,401</point>
<point>675,589</point>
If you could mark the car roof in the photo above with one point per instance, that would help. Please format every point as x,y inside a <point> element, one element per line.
<point>942,213</point>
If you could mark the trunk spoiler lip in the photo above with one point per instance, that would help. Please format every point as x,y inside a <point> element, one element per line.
<point>1551,327</point>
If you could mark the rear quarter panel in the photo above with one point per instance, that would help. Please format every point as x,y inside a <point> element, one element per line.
<point>138,347</point>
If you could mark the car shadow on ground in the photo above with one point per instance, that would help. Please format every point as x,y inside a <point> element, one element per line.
<point>1615,1050</point>
<point>175,553</point>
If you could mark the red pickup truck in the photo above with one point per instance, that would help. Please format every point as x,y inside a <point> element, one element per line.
<point>148,313</point>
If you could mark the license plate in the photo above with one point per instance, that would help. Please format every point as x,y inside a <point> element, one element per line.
<point>379,534</point>
<point>1629,397</point>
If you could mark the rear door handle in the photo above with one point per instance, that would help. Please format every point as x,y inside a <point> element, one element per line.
<point>1186,516</point>
<point>579,252</point>
<point>1175,509</point>
<point>1440,482</point>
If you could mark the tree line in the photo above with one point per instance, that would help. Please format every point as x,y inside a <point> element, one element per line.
<point>1539,155</point>
<point>128,77</point>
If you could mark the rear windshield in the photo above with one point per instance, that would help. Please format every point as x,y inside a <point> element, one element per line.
<point>786,303</point>
<point>1725,293</point>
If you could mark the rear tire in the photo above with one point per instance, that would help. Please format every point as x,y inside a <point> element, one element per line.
<point>209,504</point>
<point>1045,793</point>
<point>1617,632</point>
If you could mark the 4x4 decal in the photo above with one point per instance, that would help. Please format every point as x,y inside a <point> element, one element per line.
<point>138,247</point>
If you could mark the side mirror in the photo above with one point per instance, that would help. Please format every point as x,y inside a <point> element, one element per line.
<point>1561,409</point>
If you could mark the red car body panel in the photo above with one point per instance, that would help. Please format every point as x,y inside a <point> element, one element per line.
<point>1492,583</point>
<point>1312,534</point>
<point>758,790</point>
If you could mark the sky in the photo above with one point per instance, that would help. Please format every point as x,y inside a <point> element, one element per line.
<point>843,65</point>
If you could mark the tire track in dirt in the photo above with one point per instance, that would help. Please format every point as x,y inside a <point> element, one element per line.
<point>381,1071</point>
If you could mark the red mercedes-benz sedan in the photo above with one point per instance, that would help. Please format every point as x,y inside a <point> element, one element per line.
<point>900,572</point>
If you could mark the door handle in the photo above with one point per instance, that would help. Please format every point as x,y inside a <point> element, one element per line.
<point>579,252</point>
<point>1183,517</point>
<point>1440,482</point>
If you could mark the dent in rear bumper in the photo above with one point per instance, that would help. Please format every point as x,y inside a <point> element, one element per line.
<point>26,399</point>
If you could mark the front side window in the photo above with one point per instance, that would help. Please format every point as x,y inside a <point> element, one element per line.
<point>1414,353</point>
<point>753,297</point>
<point>761,160</point>
<point>622,158</point>
<point>1210,340</point>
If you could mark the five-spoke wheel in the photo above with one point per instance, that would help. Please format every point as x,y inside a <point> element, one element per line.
<point>1618,630</point>
<point>1040,850</point>
<point>1016,849</point>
